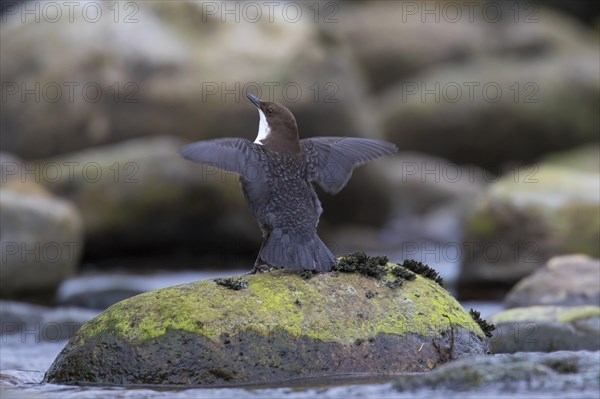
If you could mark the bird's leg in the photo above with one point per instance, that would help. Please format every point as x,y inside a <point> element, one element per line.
<point>261,266</point>
<point>258,263</point>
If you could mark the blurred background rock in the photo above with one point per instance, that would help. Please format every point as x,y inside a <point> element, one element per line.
<point>495,113</point>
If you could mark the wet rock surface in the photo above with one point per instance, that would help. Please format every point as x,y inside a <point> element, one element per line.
<point>555,375</point>
<point>546,329</point>
<point>521,372</point>
<point>555,308</point>
<point>280,326</point>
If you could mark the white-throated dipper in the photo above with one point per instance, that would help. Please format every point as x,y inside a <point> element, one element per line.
<point>277,171</point>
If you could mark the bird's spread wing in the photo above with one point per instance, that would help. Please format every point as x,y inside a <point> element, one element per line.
<point>229,154</point>
<point>331,159</point>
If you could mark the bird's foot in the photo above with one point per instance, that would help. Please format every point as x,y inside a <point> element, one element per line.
<point>307,274</point>
<point>261,268</point>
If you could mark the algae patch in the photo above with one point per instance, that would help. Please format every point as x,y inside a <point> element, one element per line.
<point>401,272</point>
<point>232,283</point>
<point>423,270</point>
<point>401,275</point>
<point>377,267</point>
<point>486,327</point>
<point>359,262</point>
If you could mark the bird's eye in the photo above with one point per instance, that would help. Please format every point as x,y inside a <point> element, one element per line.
<point>270,110</point>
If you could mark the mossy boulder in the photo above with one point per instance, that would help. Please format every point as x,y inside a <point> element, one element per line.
<point>524,219</point>
<point>273,327</point>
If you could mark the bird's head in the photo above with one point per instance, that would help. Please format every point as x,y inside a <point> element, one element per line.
<point>277,129</point>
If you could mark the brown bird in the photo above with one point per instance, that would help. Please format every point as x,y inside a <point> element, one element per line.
<point>277,171</point>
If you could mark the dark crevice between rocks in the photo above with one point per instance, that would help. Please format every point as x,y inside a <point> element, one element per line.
<point>423,270</point>
<point>486,327</point>
<point>232,283</point>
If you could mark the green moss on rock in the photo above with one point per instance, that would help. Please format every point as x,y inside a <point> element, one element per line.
<point>423,270</point>
<point>486,327</point>
<point>283,325</point>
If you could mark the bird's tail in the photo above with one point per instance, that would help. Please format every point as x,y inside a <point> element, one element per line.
<point>289,250</point>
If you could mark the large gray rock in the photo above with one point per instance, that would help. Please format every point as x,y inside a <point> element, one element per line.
<point>546,329</point>
<point>525,218</point>
<point>272,327</point>
<point>564,281</point>
<point>41,238</point>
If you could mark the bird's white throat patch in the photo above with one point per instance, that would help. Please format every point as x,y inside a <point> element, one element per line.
<point>263,128</point>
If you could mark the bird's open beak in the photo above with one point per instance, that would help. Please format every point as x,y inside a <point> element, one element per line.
<point>255,100</point>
